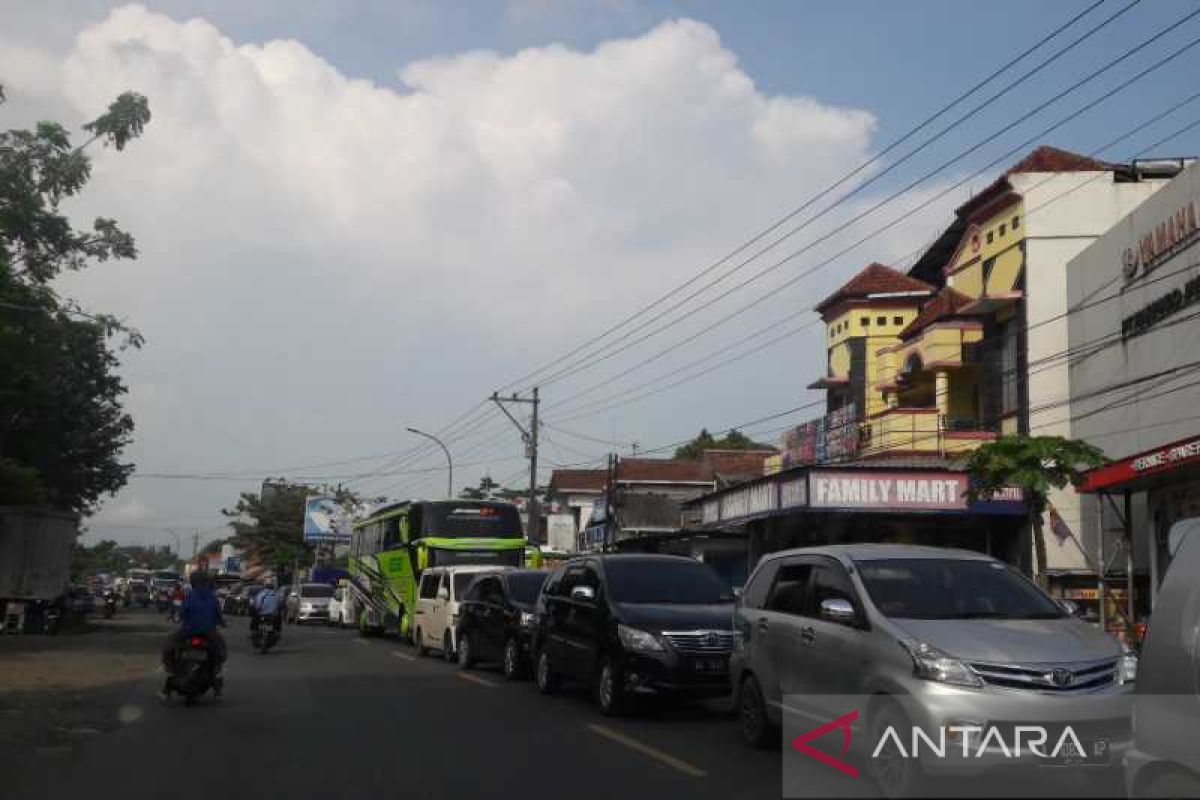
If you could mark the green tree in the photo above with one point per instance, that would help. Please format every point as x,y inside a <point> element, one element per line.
<point>1035,464</point>
<point>734,440</point>
<point>62,426</point>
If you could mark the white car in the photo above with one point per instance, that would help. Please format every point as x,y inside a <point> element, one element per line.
<point>436,615</point>
<point>339,608</point>
<point>309,602</point>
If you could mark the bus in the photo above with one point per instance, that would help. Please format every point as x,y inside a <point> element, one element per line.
<point>392,547</point>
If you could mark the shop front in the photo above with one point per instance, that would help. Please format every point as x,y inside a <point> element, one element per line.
<point>869,502</point>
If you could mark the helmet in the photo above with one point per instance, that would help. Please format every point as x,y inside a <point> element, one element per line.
<point>199,578</point>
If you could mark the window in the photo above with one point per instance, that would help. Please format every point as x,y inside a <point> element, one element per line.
<point>790,588</point>
<point>1016,222</point>
<point>491,593</point>
<point>570,580</point>
<point>523,587</point>
<point>881,320</point>
<point>1003,228</point>
<point>865,321</point>
<point>554,582</point>
<point>944,588</point>
<point>319,590</point>
<point>462,581</point>
<point>830,582</point>
<point>755,593</point>
<point>391,533</point>
<point>683,582</point>
<point>429,585</point>
<point>1010,368</point>
<point>989,237</point>
<point>897,320</point>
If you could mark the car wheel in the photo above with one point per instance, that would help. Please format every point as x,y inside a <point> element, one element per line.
<point>448,647</point>
<point>419,643</point>
<point>894,773</point>
<point>610,688</point>
<point>466,659</point>
<point>757,729</point>
<point>512,659</point>
<point>547,679</point>
<point>1170,784</point>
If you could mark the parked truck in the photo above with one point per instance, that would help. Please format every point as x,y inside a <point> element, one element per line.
<point>35,562</point>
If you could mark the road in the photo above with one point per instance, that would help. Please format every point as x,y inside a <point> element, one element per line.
<point>329,714</point>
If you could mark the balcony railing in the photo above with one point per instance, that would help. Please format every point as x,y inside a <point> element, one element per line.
<point>924,431</point>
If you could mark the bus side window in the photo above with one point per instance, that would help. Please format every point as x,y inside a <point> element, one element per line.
<point>391,533</point>
<point>416,528</point>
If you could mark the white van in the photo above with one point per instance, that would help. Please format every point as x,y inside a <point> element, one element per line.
<point>438,595</point>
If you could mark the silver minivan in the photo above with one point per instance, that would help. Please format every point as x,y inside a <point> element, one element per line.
<point>931,637</point>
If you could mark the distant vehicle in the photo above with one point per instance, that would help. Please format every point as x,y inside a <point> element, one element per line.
<point>110,603</point>
<point>81,601</point>
<point>495,620</point>
<point>339,611</point>
<point>442,588</point>
<point>1164,760</point>
<point>390,549</point>
<point>932,635</point>
<point>625,624</point>
<point>137,587</point>
<point>309,602</point>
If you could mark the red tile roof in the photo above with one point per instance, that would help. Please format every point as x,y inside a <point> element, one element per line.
<point>875,279</point>
<point>736,462</point>
<point>1052,159</point>
<point>945,304</point>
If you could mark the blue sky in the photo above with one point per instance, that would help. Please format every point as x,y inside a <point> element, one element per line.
<point>387,256</point>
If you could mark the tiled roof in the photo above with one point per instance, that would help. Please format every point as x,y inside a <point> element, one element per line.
<point>1052,159</point>
<point>946,303</point>
<point>875,279</point>
<point>736,462</point>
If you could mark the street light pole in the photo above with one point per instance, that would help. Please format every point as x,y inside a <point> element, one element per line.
<point>178,544</point>
<point>449,461</point>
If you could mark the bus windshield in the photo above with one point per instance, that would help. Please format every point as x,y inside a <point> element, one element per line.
<point>470,520</point>
<point>501,558</point>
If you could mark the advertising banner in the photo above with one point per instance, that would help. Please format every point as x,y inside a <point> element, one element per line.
<point>325,520</point>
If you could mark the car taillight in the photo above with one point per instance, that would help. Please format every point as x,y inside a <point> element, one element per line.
<point>196,641</point>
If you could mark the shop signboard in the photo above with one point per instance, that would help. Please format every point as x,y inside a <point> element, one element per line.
<point>888,491</point>
<point>1163,459</point>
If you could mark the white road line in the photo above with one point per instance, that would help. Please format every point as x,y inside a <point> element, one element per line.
<point>466,676</point>
<point>404,656</point>
<point>362,641</point>
<point>646,750</point>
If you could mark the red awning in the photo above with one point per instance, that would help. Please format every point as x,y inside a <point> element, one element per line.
<point>1127,471</point>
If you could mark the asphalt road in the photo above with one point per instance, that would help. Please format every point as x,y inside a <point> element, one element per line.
<point>329,714</point>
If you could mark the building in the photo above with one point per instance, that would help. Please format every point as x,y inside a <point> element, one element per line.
<point>1134,336</point>
<point>924,367</point>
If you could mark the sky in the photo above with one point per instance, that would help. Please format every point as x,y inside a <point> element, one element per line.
<point>356,217</point>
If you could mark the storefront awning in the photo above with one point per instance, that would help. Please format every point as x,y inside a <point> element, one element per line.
<point>1139,471</point>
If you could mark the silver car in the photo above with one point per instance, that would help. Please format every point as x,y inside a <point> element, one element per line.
<point>944,640</point>
<point>309,602</point>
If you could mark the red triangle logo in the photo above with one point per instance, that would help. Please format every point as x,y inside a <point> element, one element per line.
<point>800,743</point>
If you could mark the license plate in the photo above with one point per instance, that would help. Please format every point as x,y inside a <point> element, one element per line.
<point>1095,754</point>
<point>710,665</point>
<point>195,655</point>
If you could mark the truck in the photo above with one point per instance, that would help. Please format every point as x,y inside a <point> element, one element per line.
<point>35,559</point>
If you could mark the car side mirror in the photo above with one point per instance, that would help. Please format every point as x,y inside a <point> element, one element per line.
<point>443,593</point>
<point>1069,606</point>
<point>836,609</point>
<point>585,593</point>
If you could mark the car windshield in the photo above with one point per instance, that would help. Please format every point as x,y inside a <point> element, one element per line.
<point>523,587</point>
<point>316,591</point>
<point>462,581</point>
<point>949,588</point>
<point>680,582</point>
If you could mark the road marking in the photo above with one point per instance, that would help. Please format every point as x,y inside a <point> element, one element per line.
<point>647,750</point>
<point>466,676</point>
<point>362,641</point>
<point>405,656</point>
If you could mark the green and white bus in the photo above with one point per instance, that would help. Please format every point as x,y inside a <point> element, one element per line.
<point>392,547</point>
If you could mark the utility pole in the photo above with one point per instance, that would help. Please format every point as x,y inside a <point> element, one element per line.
<point>610,487</point>
<point>195,545</point>
<point>530,437</point>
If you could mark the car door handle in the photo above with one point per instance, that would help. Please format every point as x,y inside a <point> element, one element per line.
<point>762,624</point>
<point>807,635</point>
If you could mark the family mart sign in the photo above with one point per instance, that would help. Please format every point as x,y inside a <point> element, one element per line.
<point>885,491</point>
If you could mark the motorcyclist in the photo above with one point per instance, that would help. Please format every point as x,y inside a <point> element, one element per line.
<point>266,604</point>
<point>199,615</point>
<point>177,596</point>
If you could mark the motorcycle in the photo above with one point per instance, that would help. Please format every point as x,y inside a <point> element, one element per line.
<point>110,604</point>
<point>52,617</point>
<point>195,670</point>
<point>173,614</point>
<point>264,633</point>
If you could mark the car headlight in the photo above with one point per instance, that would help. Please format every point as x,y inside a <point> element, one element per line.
<point>934,665</point>
<point>1127,667</point>
<point>528,620</point>
<point>637,639</point>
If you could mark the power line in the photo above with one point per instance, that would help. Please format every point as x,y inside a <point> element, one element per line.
<point>828,189</point>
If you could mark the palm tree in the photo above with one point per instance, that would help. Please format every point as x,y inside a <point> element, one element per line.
<point>1035,464</point>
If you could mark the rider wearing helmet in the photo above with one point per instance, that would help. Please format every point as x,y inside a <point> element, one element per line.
<point>199,615</point>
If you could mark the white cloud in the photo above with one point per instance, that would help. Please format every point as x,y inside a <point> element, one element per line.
<point>325,260</point>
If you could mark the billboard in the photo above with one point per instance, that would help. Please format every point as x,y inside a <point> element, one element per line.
<point>325,520</point>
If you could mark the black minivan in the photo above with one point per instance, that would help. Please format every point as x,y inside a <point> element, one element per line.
<point>627,624</point>
<point>495,620</point>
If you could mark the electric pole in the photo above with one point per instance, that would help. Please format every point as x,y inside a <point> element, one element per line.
<point>195,545</point>
<point>530,437</point>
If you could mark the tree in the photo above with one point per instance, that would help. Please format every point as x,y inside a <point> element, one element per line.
<point>62,426</point>
<point>270,529</point>
<point>1035,464</point>
<point>734,440</point>
<point>486,490</point>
